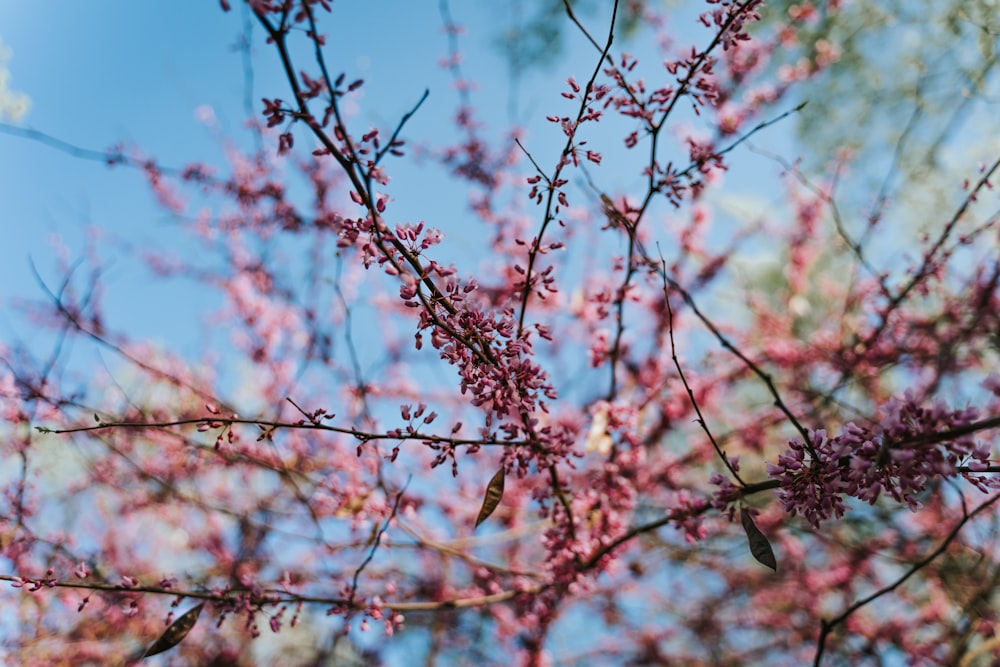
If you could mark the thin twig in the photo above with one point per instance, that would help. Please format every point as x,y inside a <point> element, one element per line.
<point>827,626</point>
<point>680,371</point>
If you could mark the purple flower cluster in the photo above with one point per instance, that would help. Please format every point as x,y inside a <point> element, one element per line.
<point>897,456</point>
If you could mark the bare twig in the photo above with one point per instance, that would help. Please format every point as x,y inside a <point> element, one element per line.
<point>827,627</point>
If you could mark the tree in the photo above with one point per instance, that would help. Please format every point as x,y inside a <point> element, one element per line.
<point>632,429</point>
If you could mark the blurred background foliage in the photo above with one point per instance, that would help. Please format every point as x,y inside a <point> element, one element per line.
<point>911,75</point>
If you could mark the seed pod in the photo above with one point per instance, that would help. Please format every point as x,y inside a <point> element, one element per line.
<point>494,493</point>
<point>759,546</point>
<point>176,633</point>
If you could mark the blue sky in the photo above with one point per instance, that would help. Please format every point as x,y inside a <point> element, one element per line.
<point>104,72</point>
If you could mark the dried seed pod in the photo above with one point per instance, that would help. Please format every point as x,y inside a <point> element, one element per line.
<point>759,546</point>
<point>494,493</point>
<point>176,633</point>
